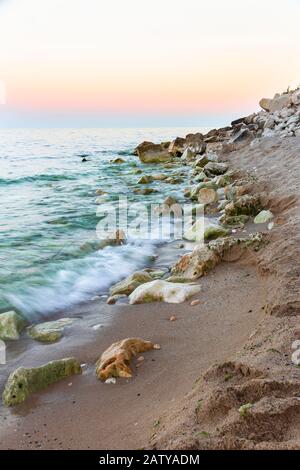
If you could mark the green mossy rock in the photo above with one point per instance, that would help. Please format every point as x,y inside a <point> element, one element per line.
<point>49,332</point>
<point>245,205</point>
<point>263,217</point>
<point>128,285</point>
<point>212,232</point>
<point>23,382</point>
<point>11,325</point>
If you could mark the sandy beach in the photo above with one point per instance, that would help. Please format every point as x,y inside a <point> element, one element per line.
<point>231,350</point>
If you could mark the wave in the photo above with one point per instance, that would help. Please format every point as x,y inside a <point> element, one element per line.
<point>36,178</point>
<point>78,279</point>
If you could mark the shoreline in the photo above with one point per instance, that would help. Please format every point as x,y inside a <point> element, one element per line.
<point>247,311</point>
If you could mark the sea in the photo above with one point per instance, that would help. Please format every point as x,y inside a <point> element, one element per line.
<point>50,258</point>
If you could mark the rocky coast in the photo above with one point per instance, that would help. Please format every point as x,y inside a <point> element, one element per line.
<point>214,364</point>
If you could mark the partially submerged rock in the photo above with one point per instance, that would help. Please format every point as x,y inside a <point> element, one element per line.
<point>177,146</point>
<point>145,179</point>
<point>154,153</point>
<point>163,291</point>
<point>11,325</point>
<point>115,361</point>
<point>118,161</point>
<point>245,205</point>
<point>49,332</point>
<point>263,217</point>
<point>24,381</point>
<point>207,196</point>
<point>129,284</point>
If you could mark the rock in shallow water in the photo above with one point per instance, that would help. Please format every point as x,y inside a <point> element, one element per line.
<point>163,291</point>
<point>49,332</point>
<point>130,283</point>
<point>11,325</point>
<point>263,217</point>
<point>23,382</point>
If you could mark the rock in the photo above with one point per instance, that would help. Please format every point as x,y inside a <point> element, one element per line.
<point>100,192</point>
<point>177,147</point>
<point>114,298</point>
<point>118,160</point>
<point>244,134</point>
<point>244,409</point>
<point>234,221</point>
<point>263,217</point>
<point>172,318</point>
<point>207,196</point>
<point>200,177</point>
<point>212,169</point>
<point>174,180</point>
<point>188,155</point>
<point>114,362</point>
<point>159,177</point>
<point>221,181</point>
<point>295,98</point>
<point>11,325</point>
<point>196,143</point>
<point>129,284</point>
<point>204,185</point>
<point>275,104</point>
<point>197,264</point>
<point>153,153</point>
<point>145,191</point>
<point>23,382</point>
<point>49,332</point>
<point>245,205</point>
<point>195,232</point>
<point>201,162</point>
<point>145,179</point>
<point>195,302</point>
<point>170,201</point>
<point>163,291</point>
<point>213,232</point>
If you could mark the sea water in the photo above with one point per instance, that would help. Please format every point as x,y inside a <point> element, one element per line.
<point>49,255</point>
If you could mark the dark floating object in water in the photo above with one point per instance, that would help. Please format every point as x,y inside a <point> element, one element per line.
<point>84,159</point>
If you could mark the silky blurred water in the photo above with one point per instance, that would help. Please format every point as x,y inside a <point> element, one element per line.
<point>48,246</point>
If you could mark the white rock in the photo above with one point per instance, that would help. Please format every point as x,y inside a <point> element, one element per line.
<point>173,293</point>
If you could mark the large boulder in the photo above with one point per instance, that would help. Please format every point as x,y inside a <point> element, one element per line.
<point>276,104</point>
<point>196,264</point>
<point>177,146</point>
<point>23,382</point>
<point>11,325</point>
<point>212,169</point>
<point>154,153</point>
<point>245,205</point>
<point>115,360</point>
<point>49,332</point>
<point>128,285</point>
<point>163,291</point>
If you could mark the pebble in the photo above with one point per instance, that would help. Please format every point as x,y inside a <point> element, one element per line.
<point>195,302</point>
<point>173,318</point>
<point>111,380</point>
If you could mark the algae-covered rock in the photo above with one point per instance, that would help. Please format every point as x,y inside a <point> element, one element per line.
<point>118,161</point>
<point>234,220</point>
<point>203,185</point>
<point>263,217</point>
<point>163,291</point>
<point>11,325</point>
<point>49,332</point>
<point>244,409</point>
<point>129,284</point>
<point>23,382</point>
<point>213,232</point>
<point>245,205</point>
<point>212,169</point>
<point>145,179</point>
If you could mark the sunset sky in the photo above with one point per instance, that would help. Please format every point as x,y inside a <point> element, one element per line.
<point>138,63</point>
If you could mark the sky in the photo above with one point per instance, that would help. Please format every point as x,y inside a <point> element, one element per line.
<point>124,63</point>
